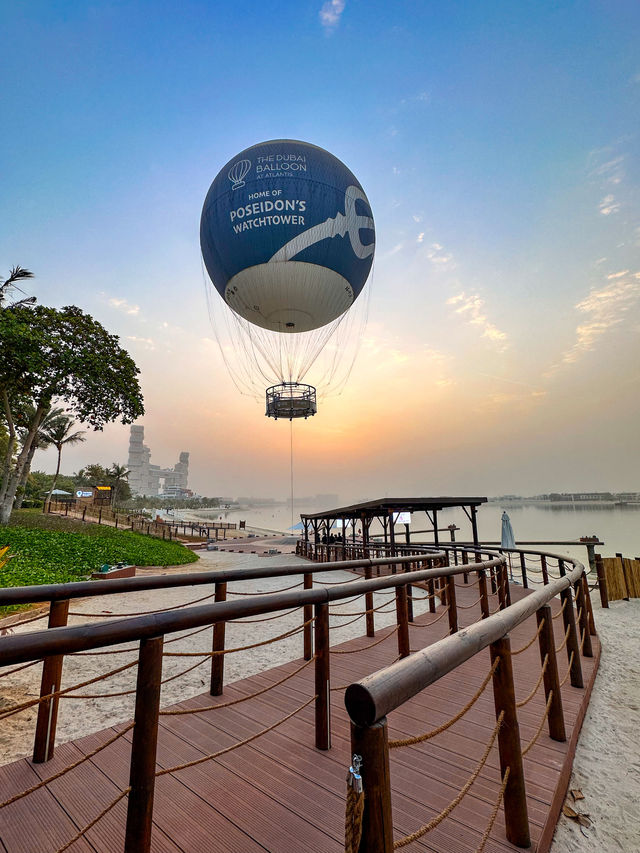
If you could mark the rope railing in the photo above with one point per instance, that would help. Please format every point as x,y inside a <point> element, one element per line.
<point>568,672</point>
<point>380,608</point>
<point>540,727</point>
<point>16,709</point>
<point>532,640</point>
<point>469,606</point>
<point>244,594</point>
<point>266,619</point>
<point>427,827</point>
<point>200,710</point>
<point>530,696</point>
<point>445,611</point>
<point>364,648</point>
<point>227,749</point>
<point>90,825</point>
<point>410,741</point>
<point>135,648</point>
<point>68,769</point>
<point>106,615</point>
<point>561,611</point>
<point>217,652</point>
<point>19,668</point>
<point>494,812</point>
<point>564,642</point>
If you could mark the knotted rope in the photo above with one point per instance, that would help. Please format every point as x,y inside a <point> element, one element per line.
<point>355,807</point>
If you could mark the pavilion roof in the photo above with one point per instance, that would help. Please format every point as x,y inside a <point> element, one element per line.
<point>383,506</point>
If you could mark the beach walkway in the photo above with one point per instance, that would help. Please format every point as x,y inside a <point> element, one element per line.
<point>279,793</point>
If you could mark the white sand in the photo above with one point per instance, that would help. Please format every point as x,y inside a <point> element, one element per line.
<point>607,763</point>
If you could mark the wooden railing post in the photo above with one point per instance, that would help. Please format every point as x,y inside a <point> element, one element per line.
<point>583,621</point>
<point>543,566</point>
<point>442,586</point>
<point>322,677</point>
<point>45,737</point>
<point>368,603</point>
<point>431,592</point>
<point>217,661</point>
<point>408,568</point>
<point>523,567</point>
<point>465,562</point>
<point>372,745</point>
<point>602,581</point>
<point>484,598</point>
<point>142,775</point>
<point>403,621</point>
<point>453,610</point>
<point>308,615</point>
<point>587,598</point>
<point>515,797</point>
<point>551,679</point>
<point>569,622</point>
<point>502,585</point>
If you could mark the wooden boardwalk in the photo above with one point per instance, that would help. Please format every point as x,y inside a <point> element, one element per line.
<point>280,794</point>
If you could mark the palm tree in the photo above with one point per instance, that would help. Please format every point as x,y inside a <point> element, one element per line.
<point>59,435</point>
<point>9,284</point>
<point>117,474</point>
<point>40,441</point>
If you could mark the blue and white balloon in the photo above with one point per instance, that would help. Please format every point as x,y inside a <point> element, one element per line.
<point>287,236</point>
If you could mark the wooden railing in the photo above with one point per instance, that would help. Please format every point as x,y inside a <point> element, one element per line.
<point>370,701</point>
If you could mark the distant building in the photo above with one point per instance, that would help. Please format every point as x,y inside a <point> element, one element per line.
<point>148,479</point>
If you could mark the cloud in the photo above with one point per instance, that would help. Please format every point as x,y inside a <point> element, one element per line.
<point>602,310</point>
<point>439,257</point>
<point>608,205</point>
<point>472,308</point>
<point>331,13</point>
<point>147,343</point>
<point>123,306</point>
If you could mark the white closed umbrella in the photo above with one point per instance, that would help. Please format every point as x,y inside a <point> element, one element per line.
<point>507,539</point>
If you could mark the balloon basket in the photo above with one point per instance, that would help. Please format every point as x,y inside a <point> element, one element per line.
<point>291,400</point>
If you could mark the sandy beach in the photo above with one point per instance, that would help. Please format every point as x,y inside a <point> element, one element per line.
<point>607,763</point>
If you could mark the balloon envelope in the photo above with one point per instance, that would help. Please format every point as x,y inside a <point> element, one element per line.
<point>287,236</point>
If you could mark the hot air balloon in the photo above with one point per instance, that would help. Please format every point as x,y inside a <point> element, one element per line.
<point>287,238</point>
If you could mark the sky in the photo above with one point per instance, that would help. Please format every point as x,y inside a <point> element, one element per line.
<point>498,145</point>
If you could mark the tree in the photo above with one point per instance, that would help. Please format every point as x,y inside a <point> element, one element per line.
<point>92,475</point>
<point>40,442</point>
<point>8,286</point>
<point>48,355</point>
<point>117,475</point>
<point>59,434</point>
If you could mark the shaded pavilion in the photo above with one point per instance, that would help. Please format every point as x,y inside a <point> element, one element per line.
<point>319,524</point>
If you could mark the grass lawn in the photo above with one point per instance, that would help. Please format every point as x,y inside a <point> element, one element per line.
<point>54,549</point>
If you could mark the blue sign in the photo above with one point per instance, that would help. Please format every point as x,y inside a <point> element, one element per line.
<point>287,235</point>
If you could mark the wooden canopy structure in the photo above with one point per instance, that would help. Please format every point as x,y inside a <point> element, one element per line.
<point>385,510</point>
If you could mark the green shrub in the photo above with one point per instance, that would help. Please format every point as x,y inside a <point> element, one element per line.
<point>53,549</point>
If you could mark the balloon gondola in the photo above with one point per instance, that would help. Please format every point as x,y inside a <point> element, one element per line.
<point>291,400</point>
<point>287,238</point>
